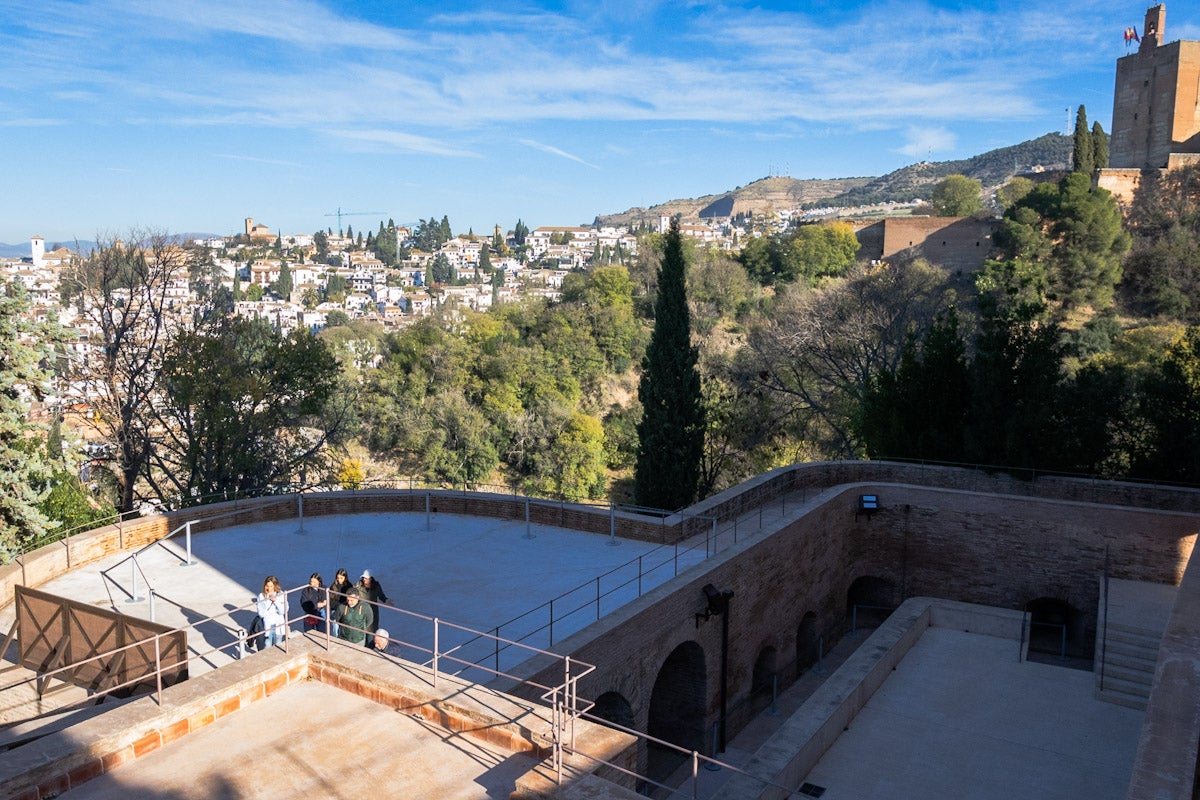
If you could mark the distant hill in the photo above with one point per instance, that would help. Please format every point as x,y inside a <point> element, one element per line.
<point>85,245</point>
<point>1045,154</point>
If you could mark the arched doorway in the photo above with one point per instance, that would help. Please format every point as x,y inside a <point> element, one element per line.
<point>613,707</point>
<point>869,601</point>
<point>807,650</point>
<point>676,710</point>
<point>762,680</point>
<point>1055,629</point>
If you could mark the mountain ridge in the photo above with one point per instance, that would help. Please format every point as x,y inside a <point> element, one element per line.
<point>1047,153</point>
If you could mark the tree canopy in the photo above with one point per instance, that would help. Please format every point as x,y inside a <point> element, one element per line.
<point>957,196</point>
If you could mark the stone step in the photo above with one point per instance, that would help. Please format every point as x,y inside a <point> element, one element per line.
<point>1122,699</point>
<point>1121,686</point>
<point>1138,676</point>
<point>1140,663</point>
<point>1131,635</point>
<point>1113,647</point>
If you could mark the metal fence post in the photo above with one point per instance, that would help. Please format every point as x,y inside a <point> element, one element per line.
<point>427,510</point>
<point>435,651</point>
<point>151,594</point>
<point>300,509</point>
<point>133,571</point>
<point>158,665</point>
<point>551,623</point>
<point>187,538</point>
<point>612,524</point>
<point>597,597</point>
<point>528,530</point>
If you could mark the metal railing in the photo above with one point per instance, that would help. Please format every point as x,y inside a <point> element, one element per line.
<point>562,698</point>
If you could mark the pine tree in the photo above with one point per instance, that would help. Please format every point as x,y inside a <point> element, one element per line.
<point>1099,146</point>
<point>1084,158</point>
<point>23,475</point>
<point>671,432</point>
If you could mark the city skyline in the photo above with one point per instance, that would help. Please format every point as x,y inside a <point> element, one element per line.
<point>188,116</point>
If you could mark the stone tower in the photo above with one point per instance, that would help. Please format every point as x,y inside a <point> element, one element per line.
<point>1156,103</point>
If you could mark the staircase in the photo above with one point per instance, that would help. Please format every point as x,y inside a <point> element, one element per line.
<point>1126,673</point>
<point>1129,634</point>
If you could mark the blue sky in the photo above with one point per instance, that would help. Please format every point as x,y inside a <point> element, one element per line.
<point>189,115</point>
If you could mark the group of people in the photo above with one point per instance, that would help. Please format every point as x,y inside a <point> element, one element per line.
<point>352,610</point>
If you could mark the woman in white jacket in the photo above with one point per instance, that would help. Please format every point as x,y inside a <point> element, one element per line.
<point>273,608</point>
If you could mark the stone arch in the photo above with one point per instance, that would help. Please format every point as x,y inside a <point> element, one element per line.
<point>613,707</point>
<point>875,599</point>
<point>1054,625</point>
<point>677,706</point>
<point>807,649</point>
<point>762,679</point>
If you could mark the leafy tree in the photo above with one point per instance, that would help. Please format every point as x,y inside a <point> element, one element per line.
<point>1083,158</point>
<point>336,318</point>
<point>255,292</point>
<point>520,233</point>
<point>440,270</point>
<point>1073,231</point>
<point>957,196</point>
<point>919,409</point>
<point>309,298</point>
<point>23,474</point>
<point>1162,273</point>
<point>321,240</point>
<point>764,259</point>
<point>819,251</point>
<point>70,505</point>
<point>336,287</point>
<point>671,433</point>
<point>1017,375</point>
<point>1012,192</point>
<point>573,465</point>
<point>1099,146</point>
<point>1171,405</point>
<point>243,408</point>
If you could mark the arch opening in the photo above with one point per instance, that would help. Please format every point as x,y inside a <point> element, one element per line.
<point>869,601</point>
<point>763,679</point>
<point>807,649</point>
<point>676,710</point>
<point>613,707</point>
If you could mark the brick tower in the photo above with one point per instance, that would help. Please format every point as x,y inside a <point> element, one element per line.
<point>1156,103</point>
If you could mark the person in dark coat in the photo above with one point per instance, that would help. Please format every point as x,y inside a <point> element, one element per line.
<point>372,592</point>
<point>338,590</point>
<point>312,600</point>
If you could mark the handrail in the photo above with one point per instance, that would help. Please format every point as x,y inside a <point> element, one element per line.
<point>695,755</point>
<point>1104,632</point>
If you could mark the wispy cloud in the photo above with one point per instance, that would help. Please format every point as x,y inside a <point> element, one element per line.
<point>255,160</point>
<point>397,141</point>
<point>545,148</point>
<point>30,122</point>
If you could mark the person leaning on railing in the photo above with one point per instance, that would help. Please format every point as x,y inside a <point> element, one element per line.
<point>354,619</point>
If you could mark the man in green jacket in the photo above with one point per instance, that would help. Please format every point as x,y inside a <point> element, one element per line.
<point>354,619</point>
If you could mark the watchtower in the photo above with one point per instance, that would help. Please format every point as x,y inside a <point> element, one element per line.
<point>1156,103</point>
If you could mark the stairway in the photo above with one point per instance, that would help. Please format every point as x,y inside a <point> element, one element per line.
<point>1125,671</point>
<point>1130,625</point>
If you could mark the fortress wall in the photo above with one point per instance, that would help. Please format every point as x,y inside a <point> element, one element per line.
<point>954,243</point>
<point>962,545</point>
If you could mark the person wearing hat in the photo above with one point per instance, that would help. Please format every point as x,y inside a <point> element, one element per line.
<point>372,591</point>
<point>355,618</point>
<point>384,644</point>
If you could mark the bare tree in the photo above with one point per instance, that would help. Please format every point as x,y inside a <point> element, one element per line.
<point>123,293</point>
<point>821,347</point>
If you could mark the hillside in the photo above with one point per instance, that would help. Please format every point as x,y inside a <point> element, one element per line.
<point>915,182</point>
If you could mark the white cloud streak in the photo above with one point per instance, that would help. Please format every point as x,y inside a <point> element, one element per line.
<point>545,148</point>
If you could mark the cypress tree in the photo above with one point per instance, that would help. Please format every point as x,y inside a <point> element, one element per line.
<point>1084,158</point>
<point>1099,146</point>
<point>671,432</point>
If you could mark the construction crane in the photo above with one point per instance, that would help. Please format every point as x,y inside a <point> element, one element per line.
<point>339,214</point>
